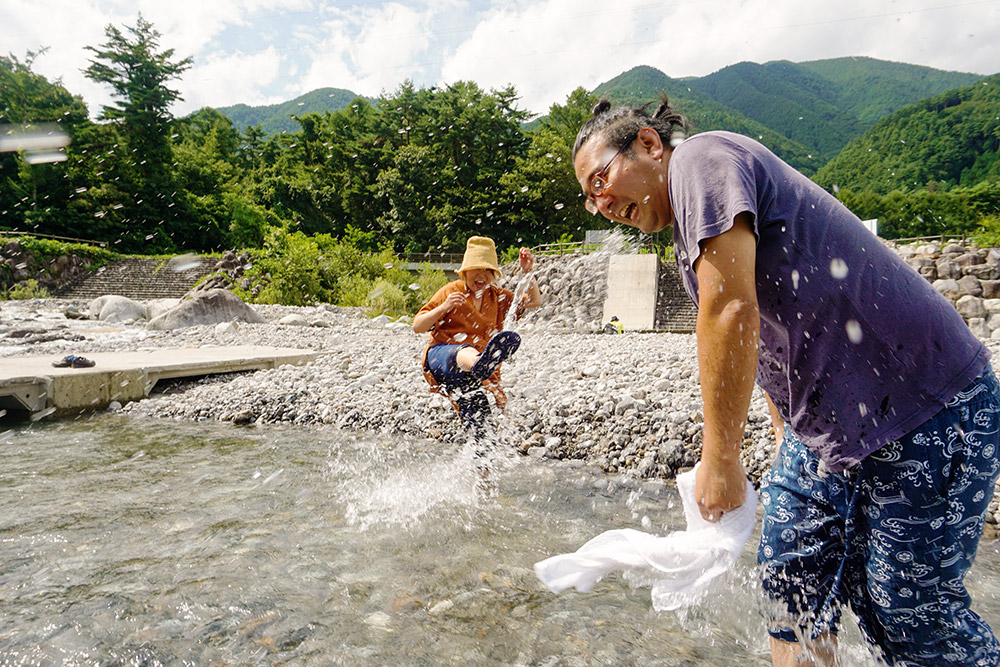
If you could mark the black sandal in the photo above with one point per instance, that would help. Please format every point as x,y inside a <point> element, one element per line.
<point>497,350</point>
<point>74,361</point>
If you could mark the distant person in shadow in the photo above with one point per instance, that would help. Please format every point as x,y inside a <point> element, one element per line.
<point>884,404</point>
<point>466,346</point>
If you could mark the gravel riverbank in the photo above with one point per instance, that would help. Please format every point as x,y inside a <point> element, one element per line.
<point>628,403</point>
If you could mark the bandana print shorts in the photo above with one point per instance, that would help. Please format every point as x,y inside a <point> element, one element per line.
<point>893,536</point>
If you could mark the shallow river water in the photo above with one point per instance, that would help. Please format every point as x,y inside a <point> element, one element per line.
<point>151,542</point>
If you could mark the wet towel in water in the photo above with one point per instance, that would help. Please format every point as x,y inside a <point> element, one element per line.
<point>679,566</point>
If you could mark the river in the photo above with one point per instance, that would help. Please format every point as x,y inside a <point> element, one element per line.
<point>146,542</point>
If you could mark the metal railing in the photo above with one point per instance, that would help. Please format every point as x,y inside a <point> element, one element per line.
<point>571,248</point>
<point>943,238</point>
<point>432,257</point>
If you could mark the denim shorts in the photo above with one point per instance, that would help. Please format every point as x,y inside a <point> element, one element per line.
<point>893,536</point>
<point>442,365</point>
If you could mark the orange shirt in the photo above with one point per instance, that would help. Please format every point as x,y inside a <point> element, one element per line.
<point>465,325</point>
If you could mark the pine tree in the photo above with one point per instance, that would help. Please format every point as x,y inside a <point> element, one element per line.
<point>132,63</point>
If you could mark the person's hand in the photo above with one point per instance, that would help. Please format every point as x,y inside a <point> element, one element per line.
<point>453,300</point>
<point>719,488</point>
<point>526,260</point>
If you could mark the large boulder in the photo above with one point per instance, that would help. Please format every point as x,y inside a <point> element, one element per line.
<point>116,309</point>
<point>157,307</point>
<point>208,307</point>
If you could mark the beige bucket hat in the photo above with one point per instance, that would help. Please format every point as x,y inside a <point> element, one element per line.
<point>480,253</point>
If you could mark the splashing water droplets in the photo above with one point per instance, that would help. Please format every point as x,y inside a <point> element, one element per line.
<point>854,333</point>
<point>838,268</point>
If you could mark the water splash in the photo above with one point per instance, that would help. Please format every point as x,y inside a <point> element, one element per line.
<point>510,322</point>
<point>402,483</point>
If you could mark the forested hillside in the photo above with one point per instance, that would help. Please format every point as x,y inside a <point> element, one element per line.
<point>870,89</point>
<point>805,112</point>
<point>278,118</point>
<point>943,142</point>
<point>642,85</point>
<point>416,171</point>
<point>419,170</point>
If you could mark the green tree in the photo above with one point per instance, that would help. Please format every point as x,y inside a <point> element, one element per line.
<point>138,72</point>
<point>35,196</point>
<point>546,194</point>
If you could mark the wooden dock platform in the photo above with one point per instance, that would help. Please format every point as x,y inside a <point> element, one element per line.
<point>33,385</point>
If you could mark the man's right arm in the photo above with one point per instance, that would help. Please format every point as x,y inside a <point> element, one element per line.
<point>728,329</point>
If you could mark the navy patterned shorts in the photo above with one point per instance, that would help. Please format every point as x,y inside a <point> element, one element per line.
<point>893,536</point>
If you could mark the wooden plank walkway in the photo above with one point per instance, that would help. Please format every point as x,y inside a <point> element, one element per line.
<point>33,385</point>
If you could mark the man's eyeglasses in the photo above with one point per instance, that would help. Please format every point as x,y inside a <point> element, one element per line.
<point>599,183</point>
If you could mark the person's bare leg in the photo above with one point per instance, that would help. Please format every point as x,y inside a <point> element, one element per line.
<point>822,653</point>
<point>466,358</point>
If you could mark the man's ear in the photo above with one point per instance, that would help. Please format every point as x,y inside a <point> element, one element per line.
<point>650,142</point>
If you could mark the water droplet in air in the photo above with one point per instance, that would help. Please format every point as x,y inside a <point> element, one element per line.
<point>854,331</point>
<point>838,268</point>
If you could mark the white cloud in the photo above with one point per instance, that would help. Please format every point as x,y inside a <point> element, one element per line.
<point>547,49</point>
<point>371,50</point>
<point>253,51</point>
<point>219,78</point>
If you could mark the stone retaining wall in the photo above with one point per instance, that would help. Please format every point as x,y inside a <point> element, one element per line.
<point>966,275</point>
<point>17,266</point>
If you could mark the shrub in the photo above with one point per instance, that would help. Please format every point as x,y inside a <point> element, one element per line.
<point>353,290</point>
<point>291,264</point>
<point>28,290</point>
<point>428,281</point>
<point>386,297</point>
<point>988,234</point>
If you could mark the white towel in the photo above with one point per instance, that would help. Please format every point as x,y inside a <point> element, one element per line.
<point>680,565</point>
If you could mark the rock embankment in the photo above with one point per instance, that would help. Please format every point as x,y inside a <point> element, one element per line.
<point>17,266</point>
<point>966,275</point>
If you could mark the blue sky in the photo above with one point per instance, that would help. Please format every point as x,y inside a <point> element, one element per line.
<point>261,52</point>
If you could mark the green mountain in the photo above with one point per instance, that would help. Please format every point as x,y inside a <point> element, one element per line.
<point>824,104</point>
<point>786,98</point>
<point>643,84</point>
<point>952,139</point>
<point>277,118</point>
<point>805,112</point>
<point>871,89</point>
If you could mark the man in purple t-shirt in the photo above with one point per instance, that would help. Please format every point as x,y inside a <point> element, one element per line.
<point>884,405</point>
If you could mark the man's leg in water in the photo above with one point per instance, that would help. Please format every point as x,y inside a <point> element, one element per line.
<point>801,551</point>
<point>822,652</point>
<point>910,518</point>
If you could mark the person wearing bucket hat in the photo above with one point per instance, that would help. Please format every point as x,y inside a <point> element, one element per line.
<point>467,342</point>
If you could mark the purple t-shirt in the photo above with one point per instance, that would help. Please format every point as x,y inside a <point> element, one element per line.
<point>857,348</point>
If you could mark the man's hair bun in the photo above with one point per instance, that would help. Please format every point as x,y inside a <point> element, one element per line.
<point>601,107</point>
